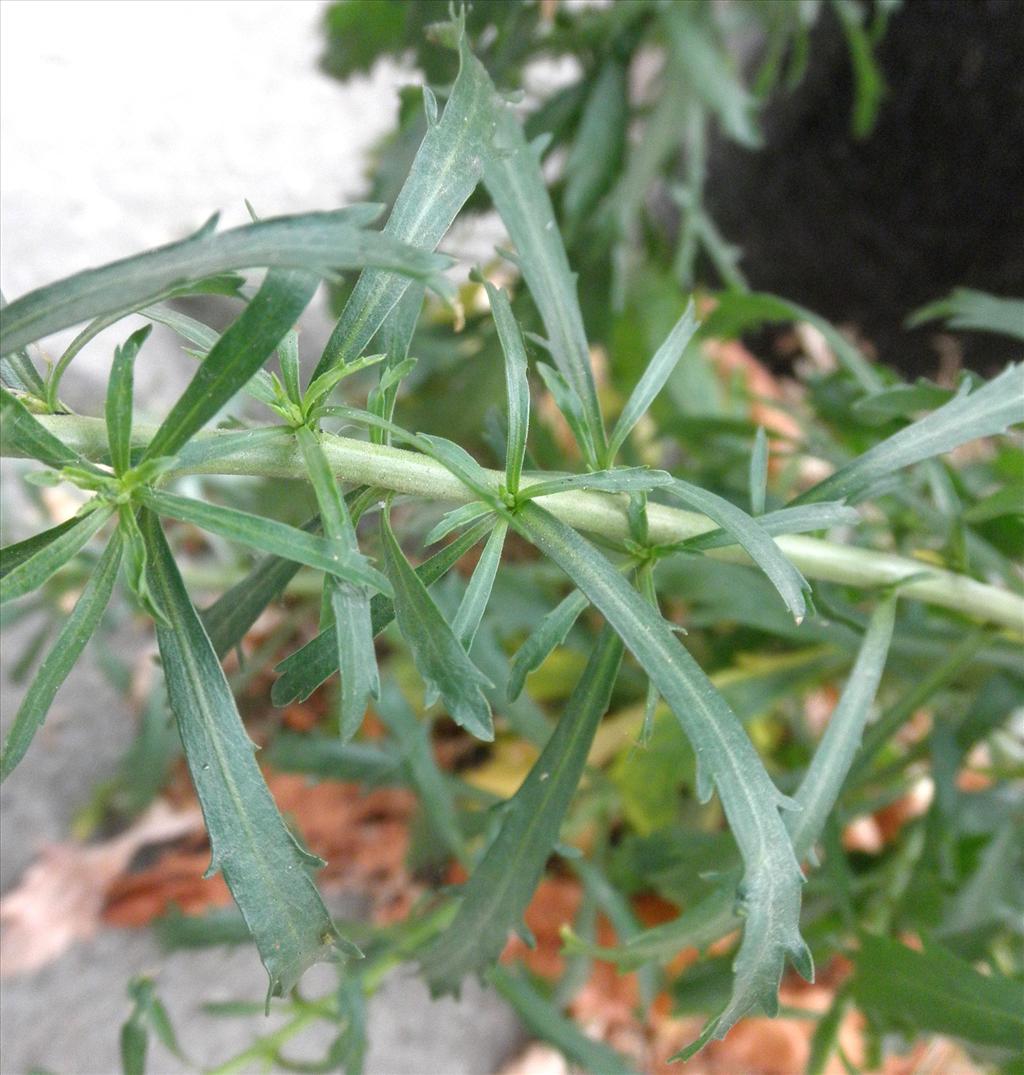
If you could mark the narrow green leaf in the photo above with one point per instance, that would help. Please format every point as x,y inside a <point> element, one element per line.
<point>433,789</point>
<point>937,992</point>
<point>478,592</point>
<point>31,572</point>
<point>288,356</point>
<point>236,356</point>
<point>228,619</point>
<point>327,757</point>
<point>265,867</point>
<point>985,412</point>
<point>706,66</point>
<point>305,669</point>
<point>496,895</point>
<point>517,387</point>
<point>770,890</point>
<point>350,605</point>
<point>753,538</point>
<point>312,243</point>
<point>619,480</point>
<point>568,401</point>
<point>17,370</point>
<point>268,535</point>
<point>437,654</point>
<point>445,172</point>
<point>23,435</point>
<point>135,559</point>
<point>134,1045</point>
<point>19,551</point>
<point>758,481</point>
<point>322,385</point>
<point>77,629</point>
<point>544,1020</point>
<point>974,311</point>
<point>456,519</point>
<point>596,152</point>
<point>514,181</point>
<point>120,389</point>
<point>798,520</point>
<point>549,633</point>
<point>462,465</point>
<point>658,371</point>
<point>869,83</point>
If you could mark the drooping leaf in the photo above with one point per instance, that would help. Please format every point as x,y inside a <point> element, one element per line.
<point>985,412</point>
<point>798,520</point>
<point>120,389</point>
<point>75,632</point>
<point>496,895</point>
<point>935,991</point>
<point>755,541</point>
<point>46,559</point>
<point>305,669</point>
<point>437,653</point>
<point>478,592</point>
<point>236,356</point>
<point>770,890</point>
<point>974,311</point>
<point>350,604</point>
<point>313,243</point>
<point>266,869</point>
<point>517,387</point>
<point>548,634</point>
<point>658,371</point>
<point>268,535</point>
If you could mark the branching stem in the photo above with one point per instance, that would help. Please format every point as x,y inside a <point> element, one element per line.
<point>228,452</point>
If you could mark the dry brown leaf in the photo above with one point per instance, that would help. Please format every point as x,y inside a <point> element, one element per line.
<point>61,896</point>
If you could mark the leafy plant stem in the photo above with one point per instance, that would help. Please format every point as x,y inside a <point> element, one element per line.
<point>410,472</point>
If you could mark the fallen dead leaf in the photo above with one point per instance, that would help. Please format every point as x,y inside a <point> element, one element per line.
<point>61,896</point>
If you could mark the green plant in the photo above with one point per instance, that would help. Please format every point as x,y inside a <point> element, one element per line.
<point>917,598</point>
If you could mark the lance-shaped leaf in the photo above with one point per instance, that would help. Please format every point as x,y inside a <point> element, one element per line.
<point>985,412</point>
<point>235,357</point>
<point>974,311</point>
<point>620,480</point>
<point>770,889</point>
<point>758,477</point>
<point>658,371</point>
<point>228,619</point>
<point>350,605</point>
<point>754,540</point>
<point>444,173</point>
<point>569,403</point>
<point>120,389</point>
<point>715,916</point>
<point>517,387</point>
<point>30,572</point>
<point>937,991</point>
<point>431,785</point>
<point>305,669</point>
<point>544,1020</point>
<point>436,652</point>
<point>19,551</point>
<point>496,895</point>
<point>549,633</point>
<point>266,869</point>
<point>268,535</point>
<point>317,243</point>
<point>462,516</point>
<point>514,181</point>
<point>478,592</point>
<point>22,435</point>
<point>797,520</point>
<point>76,631</point>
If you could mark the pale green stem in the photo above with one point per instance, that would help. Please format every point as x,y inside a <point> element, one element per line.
<point>402,471</point>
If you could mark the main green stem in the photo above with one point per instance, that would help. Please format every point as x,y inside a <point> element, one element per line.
<point>356,461</point>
